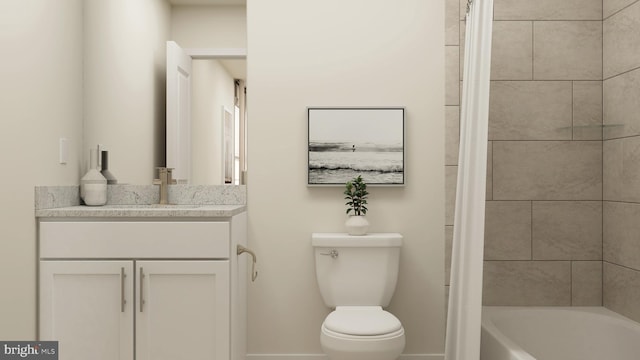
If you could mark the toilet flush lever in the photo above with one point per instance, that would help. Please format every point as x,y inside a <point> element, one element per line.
<point>241,250</point>
<point>333,253</point>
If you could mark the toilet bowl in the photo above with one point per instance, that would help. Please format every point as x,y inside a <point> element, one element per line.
<point>362,333</point>
<point>357,276</point>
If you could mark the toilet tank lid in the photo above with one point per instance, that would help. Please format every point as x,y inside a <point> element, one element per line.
<point>345,240</point>
<point>362,321</point>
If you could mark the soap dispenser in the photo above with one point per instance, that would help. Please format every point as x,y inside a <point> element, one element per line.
<point>93,186</point>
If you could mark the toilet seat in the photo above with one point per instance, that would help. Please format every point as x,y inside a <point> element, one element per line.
<point>362,333</point>
<point>368,338</point>
<point>362,321</point>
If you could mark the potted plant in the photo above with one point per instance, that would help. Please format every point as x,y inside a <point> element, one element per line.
<point>356,195</point>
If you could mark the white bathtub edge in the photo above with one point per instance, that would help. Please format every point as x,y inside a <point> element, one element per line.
<point>498,345</point>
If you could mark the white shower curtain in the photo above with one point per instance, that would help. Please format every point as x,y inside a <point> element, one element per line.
<point>465,292</point>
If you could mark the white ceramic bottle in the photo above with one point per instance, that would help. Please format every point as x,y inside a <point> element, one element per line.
<point>104,168</point>
<point>93,186</point>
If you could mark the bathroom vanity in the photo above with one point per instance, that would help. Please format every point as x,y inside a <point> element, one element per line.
<point>143,281</point>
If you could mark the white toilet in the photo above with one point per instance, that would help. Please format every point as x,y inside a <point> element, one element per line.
<point>357,276</point>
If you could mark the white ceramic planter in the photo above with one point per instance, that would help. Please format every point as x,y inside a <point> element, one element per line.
<point>357,225</point>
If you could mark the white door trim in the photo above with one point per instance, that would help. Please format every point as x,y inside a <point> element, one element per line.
<point>217,53</point>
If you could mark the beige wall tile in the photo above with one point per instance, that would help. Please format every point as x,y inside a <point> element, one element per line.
<point>452,66</point>
<point>527,283</point>
<point>507,232</point>
<point>621,105</point>
<point>451,178</point>
<point>451,19</point>
<point>512,50</point>
<point>621,242</point>
<point>611,6</point>
<point>612,165</point>
<point>489,194</point>
<point>463,9</point>
<point>567,50</point>
<point>448,245</point>
<point>622,290</point>
<point>621,41</point>
<point>530,110</point>
<point>586,283</point>
<point>548,10</point>
<point>621,167</point>
<point>547,170</point>
<point>567,230</point>
<point>587,110</point>
<point>452,134</point>
<point>463,28</point>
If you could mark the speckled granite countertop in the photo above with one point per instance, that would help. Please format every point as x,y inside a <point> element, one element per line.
<point>141,201</point>
<point>143,211</point>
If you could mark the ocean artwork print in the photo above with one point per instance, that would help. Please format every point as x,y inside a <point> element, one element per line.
<point>347,142</point>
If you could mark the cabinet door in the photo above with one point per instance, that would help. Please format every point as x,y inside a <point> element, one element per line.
<point>182,310</point>
<point>87,306</point>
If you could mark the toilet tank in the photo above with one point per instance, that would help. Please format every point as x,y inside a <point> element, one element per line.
<point>356,270</point>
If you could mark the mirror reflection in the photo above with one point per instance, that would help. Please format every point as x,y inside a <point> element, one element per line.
<point>218,121</point>
<point>125,86</point>
<point>206,117</point>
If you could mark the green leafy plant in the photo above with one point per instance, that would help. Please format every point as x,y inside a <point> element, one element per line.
<point>356,196</point>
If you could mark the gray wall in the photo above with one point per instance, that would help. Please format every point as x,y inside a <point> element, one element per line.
<point>622,157</point>
<point>543,236</point>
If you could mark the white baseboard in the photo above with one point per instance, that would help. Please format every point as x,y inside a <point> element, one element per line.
<point>324,357</point>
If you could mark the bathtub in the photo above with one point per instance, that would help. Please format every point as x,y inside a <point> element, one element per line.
<point>557,333</point>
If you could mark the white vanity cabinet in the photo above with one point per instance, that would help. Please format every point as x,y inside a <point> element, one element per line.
<point>144,290</point>
<point>80,307</point>
<point>184,312</point>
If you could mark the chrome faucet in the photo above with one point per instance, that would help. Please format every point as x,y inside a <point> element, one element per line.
<point>165,178</point>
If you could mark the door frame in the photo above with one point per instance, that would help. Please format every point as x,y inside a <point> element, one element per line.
<point>216,53</point>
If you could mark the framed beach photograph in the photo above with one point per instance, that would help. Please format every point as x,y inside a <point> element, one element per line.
<point>345,142</point>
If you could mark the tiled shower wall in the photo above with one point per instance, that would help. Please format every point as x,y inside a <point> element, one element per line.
<point>543,236</point>
<point>622,156</point>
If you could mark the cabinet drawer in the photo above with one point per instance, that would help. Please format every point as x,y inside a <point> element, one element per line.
<point>122,239</point>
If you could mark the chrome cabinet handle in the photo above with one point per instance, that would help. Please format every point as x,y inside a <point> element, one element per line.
<point>333,253</point>
<point>123,301</point>
<point>241,250</point>
<point>141,287</point>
